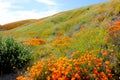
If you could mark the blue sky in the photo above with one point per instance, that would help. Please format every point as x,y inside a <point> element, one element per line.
<point>15,10</point>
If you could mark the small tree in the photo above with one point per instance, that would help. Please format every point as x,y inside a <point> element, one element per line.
<point>13,55</point>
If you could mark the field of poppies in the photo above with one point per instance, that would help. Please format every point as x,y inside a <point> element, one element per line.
<point>101,64</point>
<point>80,44</point>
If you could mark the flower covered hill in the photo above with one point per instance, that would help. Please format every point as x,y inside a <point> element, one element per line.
<point>80,44</point>
<point>16,24</point>
<point>100,64</point>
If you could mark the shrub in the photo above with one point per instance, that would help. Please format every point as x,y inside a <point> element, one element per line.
<point>13,55</point>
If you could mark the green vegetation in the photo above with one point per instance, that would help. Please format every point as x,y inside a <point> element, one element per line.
<point>13,55</point>
<point>80,44</point>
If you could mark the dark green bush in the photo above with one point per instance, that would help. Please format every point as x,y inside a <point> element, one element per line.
<point>13,55</point>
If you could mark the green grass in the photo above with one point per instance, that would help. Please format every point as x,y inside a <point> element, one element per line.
<point>89,24</point>
<point>67,21</point>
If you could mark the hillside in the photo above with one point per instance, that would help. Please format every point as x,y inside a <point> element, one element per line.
<point>16,24</point>
<point>79,44</point>
<point>66,21</point>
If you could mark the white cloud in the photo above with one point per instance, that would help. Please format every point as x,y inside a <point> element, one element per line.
<point>47,2</point>
<point>4,6</point>
<point>7,15</point>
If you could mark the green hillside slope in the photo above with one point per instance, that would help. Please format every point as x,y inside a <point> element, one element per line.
<point>79,44</point>
<point>99,14</point>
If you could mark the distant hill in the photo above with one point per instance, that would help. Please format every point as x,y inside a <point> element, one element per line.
<point>16,24</point>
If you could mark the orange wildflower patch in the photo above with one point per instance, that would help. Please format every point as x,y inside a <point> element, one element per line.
<point>21,78</point>
<point>34,42</point>
<point>32,33</point>
<point>114,33</point>
<point>16,35</point>
<point>105,53</point>
<point>115,28</point>
<point>16,24</point>
<point>86,67</point>
<point>74,54</point>
<point>59,33</point>
<point>100,18</point>
<point>61,42</point>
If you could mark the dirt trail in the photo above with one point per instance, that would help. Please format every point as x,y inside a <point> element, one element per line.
<point>10,76</point>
